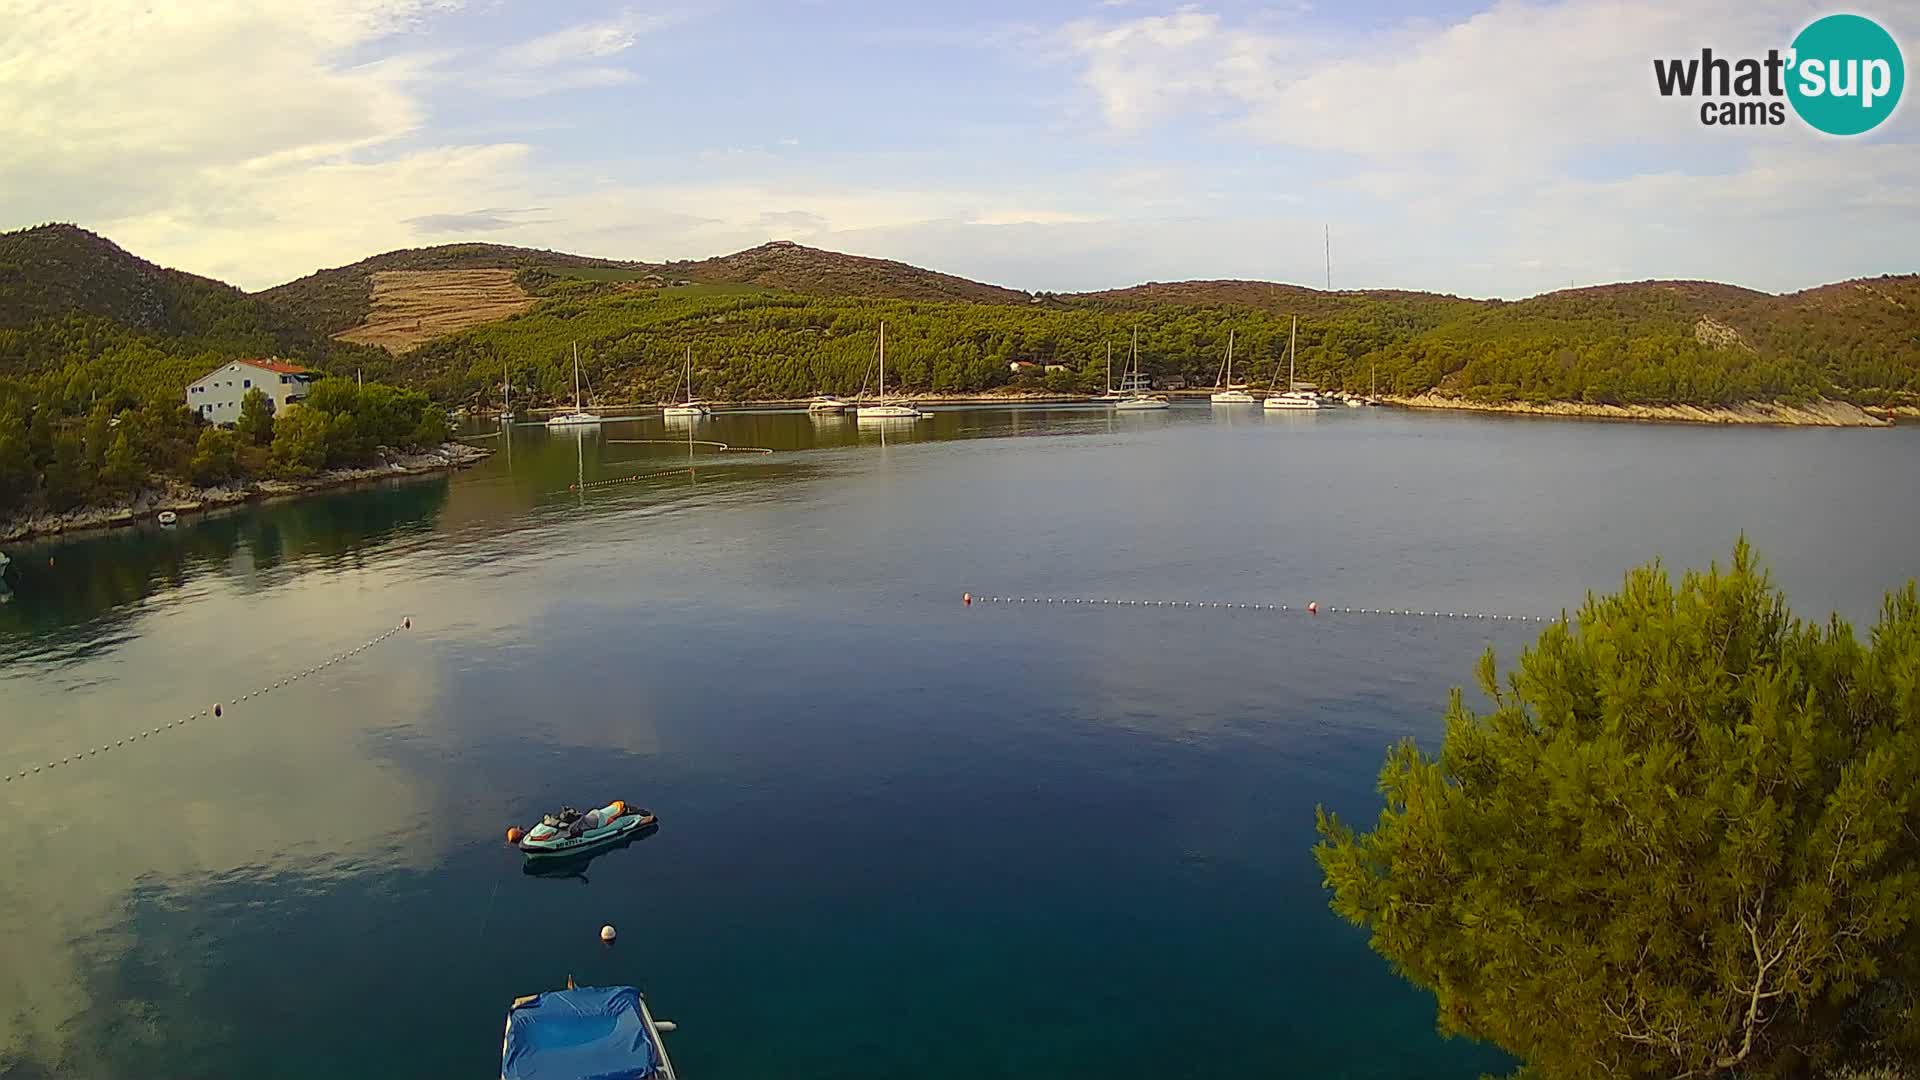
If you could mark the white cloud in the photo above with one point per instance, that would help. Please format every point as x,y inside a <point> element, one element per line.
<point>1519,82</point>
<point>587,41</point>
<point>120,107</point>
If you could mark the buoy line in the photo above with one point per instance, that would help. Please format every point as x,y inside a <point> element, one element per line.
<point>724,448</point>
<point>1312,607</point>
<point>216,709</point>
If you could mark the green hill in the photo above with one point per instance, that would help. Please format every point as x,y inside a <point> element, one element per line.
<point>57,272</point>
<point>1644,343</point>
<point>783,320</point>
<point>82,319</point>
<point>339,299</point>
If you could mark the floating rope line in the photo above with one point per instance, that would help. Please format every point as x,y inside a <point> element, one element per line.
<point>590,485</point>
<point>1310,608</point>
<point>572,489</point>
<point>720,446</point>
<point>216,709</point>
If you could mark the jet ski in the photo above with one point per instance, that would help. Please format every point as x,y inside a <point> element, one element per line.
<point>571,832</point>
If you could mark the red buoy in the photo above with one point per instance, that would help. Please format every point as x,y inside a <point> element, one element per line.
<point>1313,607</point>
<point>967,599</point>
<point>407,623</point>
<point>216,708</point>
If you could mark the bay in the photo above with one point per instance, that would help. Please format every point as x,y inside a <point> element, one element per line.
<point>899,835</point>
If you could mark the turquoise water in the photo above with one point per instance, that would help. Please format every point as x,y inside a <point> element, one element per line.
<point>899,836</point>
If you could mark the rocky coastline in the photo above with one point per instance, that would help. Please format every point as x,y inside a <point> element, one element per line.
<point>185,499</point>
<point>1818,413</point>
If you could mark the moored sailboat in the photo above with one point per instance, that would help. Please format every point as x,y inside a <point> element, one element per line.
<point>578,416</point>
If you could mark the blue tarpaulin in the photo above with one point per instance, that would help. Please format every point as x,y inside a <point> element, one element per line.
<point>592,1033</point>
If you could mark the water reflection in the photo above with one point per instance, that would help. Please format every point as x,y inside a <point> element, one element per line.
<point>896,822</point>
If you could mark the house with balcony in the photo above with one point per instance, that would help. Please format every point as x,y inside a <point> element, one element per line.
<point>215,397</point>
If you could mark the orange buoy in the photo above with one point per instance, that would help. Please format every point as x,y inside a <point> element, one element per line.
<point>513,835</point>
<point>1313,607</point>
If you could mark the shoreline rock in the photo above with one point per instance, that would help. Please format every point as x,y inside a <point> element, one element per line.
<point>185,499</point>
<point>1818,413</point>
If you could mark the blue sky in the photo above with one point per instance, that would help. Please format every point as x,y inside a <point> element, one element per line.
<point>1485,150</point>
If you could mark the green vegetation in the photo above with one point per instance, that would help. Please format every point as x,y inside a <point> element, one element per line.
<point>82,321</point>
<point>1681,844</point>
<point>96,351</point>
<point>339,299</point>
<point>1652,344</point>
<point>256,418</point>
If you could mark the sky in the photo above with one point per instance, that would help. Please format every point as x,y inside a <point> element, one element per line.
<point>1500,150</point>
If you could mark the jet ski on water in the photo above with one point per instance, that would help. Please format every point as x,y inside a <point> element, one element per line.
<point>571,832</point>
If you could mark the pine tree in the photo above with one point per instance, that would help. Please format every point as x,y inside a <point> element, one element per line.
<point>1683,843</point>
<point>69,482</point>
<point>256,418</point>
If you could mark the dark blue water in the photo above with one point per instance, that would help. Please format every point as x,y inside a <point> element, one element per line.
<point>899,836</point>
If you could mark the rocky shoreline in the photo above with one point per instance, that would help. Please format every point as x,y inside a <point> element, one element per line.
<point>1818,413</point>
<point>184,499</point>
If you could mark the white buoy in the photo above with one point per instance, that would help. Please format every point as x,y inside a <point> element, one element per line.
<point>606,933</point>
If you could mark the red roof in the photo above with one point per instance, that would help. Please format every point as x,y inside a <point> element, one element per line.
<point>279,367</point>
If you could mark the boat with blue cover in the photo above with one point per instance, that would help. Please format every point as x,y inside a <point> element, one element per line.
<point>571,832</point>
<point>585,1033</point>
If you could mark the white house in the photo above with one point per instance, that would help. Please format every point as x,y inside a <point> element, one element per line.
<point>215,396</point>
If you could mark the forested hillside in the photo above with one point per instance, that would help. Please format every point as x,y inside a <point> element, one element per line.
<point>82,319</point>
<point>96,349</point>
<point>1650,343</point>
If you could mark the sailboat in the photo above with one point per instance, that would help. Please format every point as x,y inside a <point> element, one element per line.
<point>884,409</point>
<point>689,407</point>
<point>1139,400</point>
<point>1229,393</point>
<point>578,416</point>
<point>506,383</point>
<point>1373,386</point>
<point>1292,398</point>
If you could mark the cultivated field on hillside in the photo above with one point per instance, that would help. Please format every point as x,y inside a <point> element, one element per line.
<point>412,306</point>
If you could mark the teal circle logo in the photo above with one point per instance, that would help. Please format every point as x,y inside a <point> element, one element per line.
<point>1846,74</point>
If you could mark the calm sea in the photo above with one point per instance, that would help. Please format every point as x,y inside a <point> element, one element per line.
<point>900,836</point>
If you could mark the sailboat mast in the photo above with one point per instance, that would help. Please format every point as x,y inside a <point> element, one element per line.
<point>576,376</point>
<point>1109,367</point>
<point>883,359</point>
<point>1291,336</point>
<point>689,374</point>
<point>1229,358</point>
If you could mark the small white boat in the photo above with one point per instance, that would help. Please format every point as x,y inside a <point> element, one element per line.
<point>1291,398</point>
<point>826,404</point>
<point>1230,392</point>
<point>1138,402</point>
<point>578,417</point>
<point>168,517</point>
<point>4,561</point>
<point>884,409</point>
<point>689,407</point>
